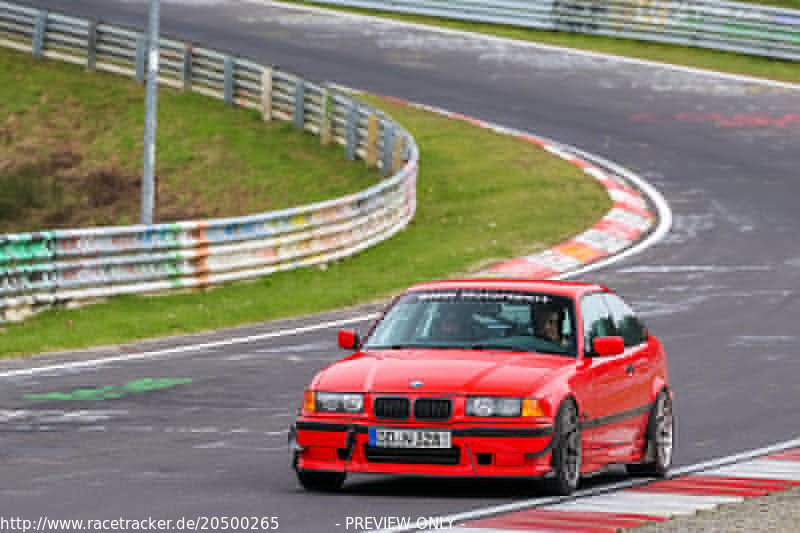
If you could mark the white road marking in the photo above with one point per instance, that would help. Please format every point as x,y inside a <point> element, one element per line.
<point>187,348</point>
<point>51,416</point>
<point>558,153</point>
<point>764,468</point>
<point>306,347</point>
<point>626,508</point>
<point>663,500</point>
<point>719,269</point>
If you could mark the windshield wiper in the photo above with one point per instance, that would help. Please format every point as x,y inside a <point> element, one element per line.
<point>493,347</point>
<point>404,346</point>
<point>504,347</point>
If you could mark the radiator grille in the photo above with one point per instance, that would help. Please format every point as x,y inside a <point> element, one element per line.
<point>392,408</point>
<point>433,409</point>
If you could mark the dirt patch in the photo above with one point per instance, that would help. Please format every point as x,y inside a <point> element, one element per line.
<point>46,182</point>
<point>50,188</point>
<point>59,191</point>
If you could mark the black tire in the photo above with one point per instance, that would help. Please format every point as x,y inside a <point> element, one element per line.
<point>567,451</point>
<point>660,440</point>
<point>321,481</point>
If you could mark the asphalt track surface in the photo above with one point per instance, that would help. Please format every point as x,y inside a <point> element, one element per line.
<point>721,289</point>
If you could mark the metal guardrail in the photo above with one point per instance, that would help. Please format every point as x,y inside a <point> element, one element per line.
<point>720,25</point>
<point>38,270</point>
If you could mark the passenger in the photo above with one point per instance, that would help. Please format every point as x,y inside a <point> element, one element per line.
<point>549,324</point>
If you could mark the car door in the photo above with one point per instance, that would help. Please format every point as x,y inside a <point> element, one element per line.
<point>612,393</point>
<point>639,363</point>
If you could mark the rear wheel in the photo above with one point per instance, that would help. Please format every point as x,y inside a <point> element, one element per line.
<point>660,436</point>
<point>567,450</point>
<point>321,481</point>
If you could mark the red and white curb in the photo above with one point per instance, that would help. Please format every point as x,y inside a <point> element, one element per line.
<point>620,228</point>
<point>658,501</point>
<point>629,219</point>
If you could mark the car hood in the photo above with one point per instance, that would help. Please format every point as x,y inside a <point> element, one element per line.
<point>440,371</point>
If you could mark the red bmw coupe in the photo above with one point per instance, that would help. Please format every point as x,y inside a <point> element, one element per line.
<point>491,378</point>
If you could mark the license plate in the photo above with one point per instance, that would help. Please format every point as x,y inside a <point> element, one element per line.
<point>409,438</point>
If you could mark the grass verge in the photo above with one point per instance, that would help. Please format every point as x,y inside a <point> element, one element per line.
<point>730,62</point>
<point>482,197</point>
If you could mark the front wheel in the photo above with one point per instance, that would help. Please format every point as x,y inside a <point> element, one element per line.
<point>660,436</point>
<point>567,450</point>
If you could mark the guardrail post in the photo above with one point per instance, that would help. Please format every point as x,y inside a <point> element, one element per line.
<point>141,57</point>
<point>186,71</point>
<point>228,80</point>
<point>325,129</point>
<point>38,34</point>
<point>388,146</point>
<point>299,104</point>
<point>266,94</point>
<point>91,46</point>
<point>372,140</point>
<point>397,159</point>
<point>352,131</point>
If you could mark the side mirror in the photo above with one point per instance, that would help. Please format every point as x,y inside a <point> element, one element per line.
<point>608,346</point>
<point>347,339</point>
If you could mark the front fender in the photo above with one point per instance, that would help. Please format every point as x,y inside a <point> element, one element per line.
<point>552,403</point>
<point>657,386</point>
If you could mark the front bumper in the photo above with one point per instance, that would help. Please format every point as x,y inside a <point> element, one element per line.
<point>475,451</point>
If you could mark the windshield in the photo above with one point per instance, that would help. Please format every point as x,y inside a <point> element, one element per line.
<point>477,320</point>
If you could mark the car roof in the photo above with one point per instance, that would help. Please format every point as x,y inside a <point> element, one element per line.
<point>573,289</point>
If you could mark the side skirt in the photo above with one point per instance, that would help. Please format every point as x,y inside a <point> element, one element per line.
<point>600,457</point>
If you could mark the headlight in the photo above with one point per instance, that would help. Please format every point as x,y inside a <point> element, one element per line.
<point>334,402</point>
<point>493,406</point>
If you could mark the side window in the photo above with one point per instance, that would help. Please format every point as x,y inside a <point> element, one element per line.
<point>566,327</point>
<point>517,313</point>
<point>597,320</point>
<point>625,321</point>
